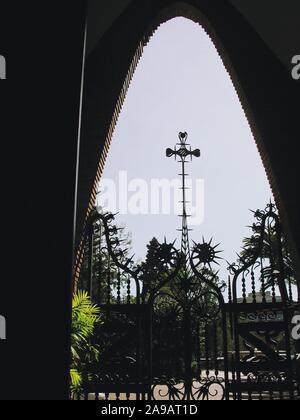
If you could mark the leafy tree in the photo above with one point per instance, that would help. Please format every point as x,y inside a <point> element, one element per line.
<point>102,265</point>
<point>85,318</point>
<point>270,251</point>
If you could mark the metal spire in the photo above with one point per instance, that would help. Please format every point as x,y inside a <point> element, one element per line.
<point>184,152</point>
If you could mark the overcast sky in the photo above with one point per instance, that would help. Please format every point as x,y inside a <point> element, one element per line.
<point>181,85</point>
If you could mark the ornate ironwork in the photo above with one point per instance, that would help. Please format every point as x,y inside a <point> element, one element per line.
<point>194,297</point>
<point>165,334</point>
<point>178,286</point>
<point>261,316</point>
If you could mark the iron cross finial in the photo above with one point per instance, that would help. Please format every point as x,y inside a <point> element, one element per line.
<point>183,152</point>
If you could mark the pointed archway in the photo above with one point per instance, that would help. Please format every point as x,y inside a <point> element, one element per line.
<point>270,110</point>
<point>181,82</point>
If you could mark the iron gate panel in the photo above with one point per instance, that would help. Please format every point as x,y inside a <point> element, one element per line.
<point>125,365</point>
<point>264,356</point>
<point>169,333</point>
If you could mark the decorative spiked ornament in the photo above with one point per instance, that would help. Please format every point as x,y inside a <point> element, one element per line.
<point>166,255</point>
<point>205,254</point>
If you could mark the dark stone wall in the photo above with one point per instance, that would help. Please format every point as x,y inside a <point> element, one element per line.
<point>39,102</point>
<point>276,21</point>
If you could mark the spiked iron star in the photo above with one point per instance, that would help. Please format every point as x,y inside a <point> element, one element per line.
<point>166,254</point>
<point>206,253</point>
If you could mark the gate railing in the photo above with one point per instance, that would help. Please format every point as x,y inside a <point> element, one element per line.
<point>111,278</point>
<point>131,299</point>
<point>262,301</point>
<point>169,332</point>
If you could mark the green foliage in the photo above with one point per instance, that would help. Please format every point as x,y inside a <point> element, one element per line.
<point>102,264</point>
<point>272,247</point>
<point>76,380</point>
<point>85,318</point>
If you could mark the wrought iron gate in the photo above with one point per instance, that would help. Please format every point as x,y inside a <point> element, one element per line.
<point>163,335</point>
<point>124,371</point>
<point>262,302</point>
<point>169,332</point>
